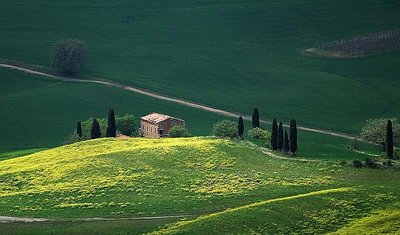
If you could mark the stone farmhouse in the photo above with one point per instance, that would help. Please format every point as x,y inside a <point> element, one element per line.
<point>156,125</point>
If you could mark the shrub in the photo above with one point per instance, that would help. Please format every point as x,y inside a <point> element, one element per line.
<point>370,162</point>
<point>69,56</point>
<point>396,154</point>
<point>258,134</point>
<point>225,129</point>
<point>267,145</point>
<point>343,163</point>
<point>126,124</point>
<point>390,163</point>
<point>357,164</point>
<point>72,138</point>
<point>178,131</point>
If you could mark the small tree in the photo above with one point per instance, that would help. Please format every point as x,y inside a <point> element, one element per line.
<point>126,124</point>
<point>255,119</point>
<point>69,56</point>
<point>274,135</point>
<point>280,137</point>
<point>79,129</point>
<point>111,126</point>
<point>240,127</point>
<point>293,136</point>
<point>178,131</point>
<point>258,134</point>
<point>389,139</point>
<point>95,132</point>
<point>225,129</point>
<point>375,131</point>
<point>286,143</point>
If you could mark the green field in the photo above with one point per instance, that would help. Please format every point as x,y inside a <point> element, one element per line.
<point>220,185</point>
<point>41,113</point>
<point>230,54</point>
<point>28,110</point>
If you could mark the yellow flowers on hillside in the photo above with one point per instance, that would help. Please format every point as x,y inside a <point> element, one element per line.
<point>66,168</point>
<point>137,175</point>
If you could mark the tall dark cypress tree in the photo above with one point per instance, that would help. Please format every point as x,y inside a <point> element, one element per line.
<point>286,143</point>
<point>95,132</point>
<point>111,127</point>
<point>274,135</point>
<point>240,127</point>
<point>389,139</point>
<point>255,119</point>
<point>280,137</point>
<point>293,136</point>
<point>79,129</point>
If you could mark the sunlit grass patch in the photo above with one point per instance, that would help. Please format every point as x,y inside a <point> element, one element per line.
<point>379,222</point>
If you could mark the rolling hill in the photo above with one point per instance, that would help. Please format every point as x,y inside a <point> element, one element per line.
<point>213,183</point>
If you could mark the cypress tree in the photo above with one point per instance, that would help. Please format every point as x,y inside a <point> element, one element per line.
<point>79,129</point>
<point>95,132</point>
<point>280,137</point>
<point>255,119</point>
<point>389,139</point>
<point>286,143</point>
<point>274,135</point>
<point>111,127</point>
<point>240,127</point>
<point>293,136</point>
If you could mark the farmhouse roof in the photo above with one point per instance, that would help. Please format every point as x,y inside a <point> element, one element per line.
<point>156,118</point>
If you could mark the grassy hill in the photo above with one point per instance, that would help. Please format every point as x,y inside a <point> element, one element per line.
<point>230,54</point>
<point>219,185</point>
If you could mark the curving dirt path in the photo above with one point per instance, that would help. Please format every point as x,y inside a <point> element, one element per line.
<point>9,219</point>
<point>175,100</point>
<point>269,153</point>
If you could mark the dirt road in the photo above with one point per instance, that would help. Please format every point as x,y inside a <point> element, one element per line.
<point>9,219</point>
<point>174,100</point>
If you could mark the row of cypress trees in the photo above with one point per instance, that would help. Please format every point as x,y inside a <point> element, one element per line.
<point>282,142</point>
<point>95,130</point>
<point>279,138</point>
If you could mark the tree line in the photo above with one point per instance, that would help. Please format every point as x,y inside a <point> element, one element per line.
<point>94,128</point>
<point>279,138</point>
<point>365,44</point>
